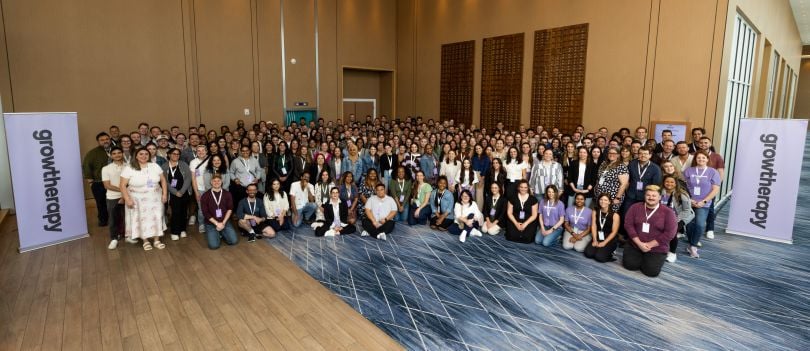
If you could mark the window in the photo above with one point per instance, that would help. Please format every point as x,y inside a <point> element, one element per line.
<point>794,80</point>
<point>771,83</point>
<point>737,95</point>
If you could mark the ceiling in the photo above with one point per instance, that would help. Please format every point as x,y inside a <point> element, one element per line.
<point>801,11</point>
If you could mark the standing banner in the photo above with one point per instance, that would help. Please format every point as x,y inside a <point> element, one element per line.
<point>46,176</point>
<point>766,178</point>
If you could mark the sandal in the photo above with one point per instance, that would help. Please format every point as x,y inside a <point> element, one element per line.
<point>159,245</point>
<point>147,246</point>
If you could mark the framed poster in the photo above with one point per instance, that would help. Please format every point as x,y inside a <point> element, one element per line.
<point>680,130</point>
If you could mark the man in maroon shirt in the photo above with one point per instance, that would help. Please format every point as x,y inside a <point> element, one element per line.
<point>650,227</point>
<point>217,207</point>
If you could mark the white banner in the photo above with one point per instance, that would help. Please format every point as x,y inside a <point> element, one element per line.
<point>46,176</point>
<point>766,178</point>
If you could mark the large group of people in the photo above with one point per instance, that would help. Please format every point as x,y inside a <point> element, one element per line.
<point>592,192</point>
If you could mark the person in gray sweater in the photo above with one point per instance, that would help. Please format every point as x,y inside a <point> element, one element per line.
<point>676,198</point>
<point>178,177</point>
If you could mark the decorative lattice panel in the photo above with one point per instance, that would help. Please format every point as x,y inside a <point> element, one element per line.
<point>501,80</point>
<point>458,65</point>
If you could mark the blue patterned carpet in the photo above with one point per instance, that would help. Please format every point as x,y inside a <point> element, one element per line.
<point>431,292</point>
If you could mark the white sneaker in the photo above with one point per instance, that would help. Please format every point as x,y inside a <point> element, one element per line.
<point>329,232</point>
<point>201,228</point>
<point>175,237</point>
<point>672,257</point>
<point>382,237</point>
<point>113,244</point>
<point>681,235</point>
<point>192,220</point>
<point>475,232</point>
<point>364,233</point>
<point>463,236</point>
<point>131,241</point>
<point>183,234</point>
<point>710,234</point>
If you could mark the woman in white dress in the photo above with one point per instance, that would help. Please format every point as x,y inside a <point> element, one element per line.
<point>144,190</point>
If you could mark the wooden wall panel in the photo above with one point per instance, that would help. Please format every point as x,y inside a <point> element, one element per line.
<point>558,77</point>
<point>501,80</point>
<point>458,64</point>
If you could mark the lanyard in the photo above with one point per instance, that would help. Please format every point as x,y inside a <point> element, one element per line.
<point>401,187</point>
<point>495,201</point>
<point>651,213</point>
<point>245,163</point>
<point>576,216</point>
<point>217,200</point>
<point>439,200</point>
<point>522,202</point>
<point>548,208</point>
<point>602,221</point>
<point>390,161</point>
<point>640,173</point>
<point>252,208</point>
<point>700,175</point>
<point>172,171</point>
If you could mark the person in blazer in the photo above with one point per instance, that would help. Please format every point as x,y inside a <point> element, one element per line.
<point>302,163</point>
<point>178,177</point>
<point>580,181</point>
<point>334,223</point>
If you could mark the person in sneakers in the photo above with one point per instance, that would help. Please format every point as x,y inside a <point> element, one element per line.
<point>605,227</point>
<point>441,206</point>
<point>302,196</point>
<point>577,224</point>
<point>380,212</point>
<point>495,209</point>
<point>217,207</point>
<point>178,175</point>
<point>650,227</point>
<point>468,217</point>
<point>703,184</point>
<point>111,177</point>
<point>335,217</point>
<point>715,161</point>
<point>251,214</point>
<point>197,166</point>
<point>676,198</point>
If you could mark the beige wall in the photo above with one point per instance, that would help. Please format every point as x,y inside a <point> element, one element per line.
<point>184,62</point>
<point>802,109</point>
<point>643,62</point>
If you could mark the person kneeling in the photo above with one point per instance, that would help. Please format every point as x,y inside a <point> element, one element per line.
<point>494,210</point>
<point>251,215</point>
<point>605,226</point>
<point>335,217</point>
<point>577,225</point>
<point>217,206</point>
<point>650,227</point>
<point>380,210</point>
<point>441,206</point>
<point>468,217</point>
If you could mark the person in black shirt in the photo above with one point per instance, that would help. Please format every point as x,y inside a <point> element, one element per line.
<point>494,210</point>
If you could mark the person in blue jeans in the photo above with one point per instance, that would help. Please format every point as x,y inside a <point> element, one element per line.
<point>703,183</point>
<point>442,205</point>
<point>552,216</point>
<point>420,210</point>
<point>217,207</point>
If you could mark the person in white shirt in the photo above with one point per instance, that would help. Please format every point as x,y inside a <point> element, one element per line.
<point>466,178</point>
<point>450,168</point>
<point>468,217</point>
<point>380,212</point>
<point>111,177</point>
<point>515,171</point>
<point>302,196</point>
<point>277,205</point>
<point>197,167</point>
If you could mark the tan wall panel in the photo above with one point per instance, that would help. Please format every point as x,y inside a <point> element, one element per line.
<point>269,36</point>
<point>682,61</point>
<point>386,105</point>
<point>406,36</point>
<point>359,84</point>
<point>367,33</point>
<point>802,109</point>
<point>327,52</point>
<point>299,43</point>
<point>113,63</point>
<point>224,60</point>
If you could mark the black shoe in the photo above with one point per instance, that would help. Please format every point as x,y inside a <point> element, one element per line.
<point>251,237</point>
<point>102,224</point>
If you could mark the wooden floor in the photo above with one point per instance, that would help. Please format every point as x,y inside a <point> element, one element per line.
<point>79,295</point>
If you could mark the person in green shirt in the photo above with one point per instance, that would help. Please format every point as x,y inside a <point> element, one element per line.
<point>400,190</point>
<point>420,210</point>
<point>93,162</point>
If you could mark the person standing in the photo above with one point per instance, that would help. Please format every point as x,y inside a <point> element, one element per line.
<point>650,227</point>
<point>380,212</point>
<point>642,173</point>
<point>111,178</point>
<point>178,175</point>
<point>217,207</point>
<point>198,166</point>
<point>144,190</point>
<point>93,162</point>
<point>703,184</point>
<point>243,171</point>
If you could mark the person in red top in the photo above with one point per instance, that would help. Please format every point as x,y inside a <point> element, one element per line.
<point>650,227</point>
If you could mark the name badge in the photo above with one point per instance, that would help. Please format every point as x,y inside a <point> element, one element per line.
<point>219,213</point>
<point>252,222</point>
<point>349,203</point>
<point>645,227</point>
<point>696,191</point>
<point>197,172</point>
<point>435,172</point>
<point>639,185</point>
<point>388,173</point>
<point>250,178</point>
<point>278,212</point>
<point>283,170</point>
<point>174,183</point>
<point>522,215</point>
<point>150,183</point>
<point>492,212</point>
<point>601,235</point>
<point>402,198</point>
<point>601,180</point>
